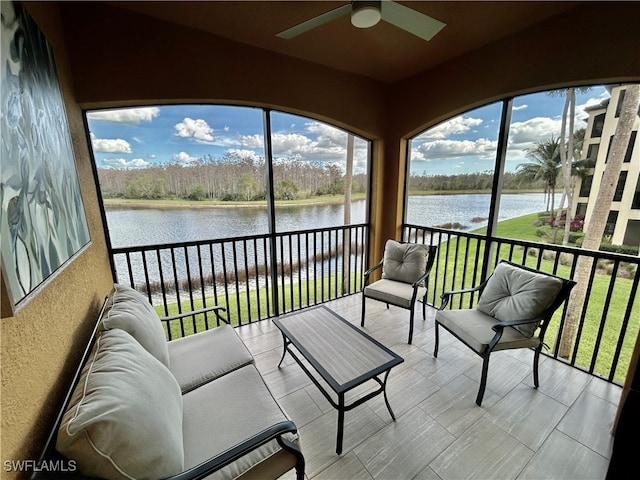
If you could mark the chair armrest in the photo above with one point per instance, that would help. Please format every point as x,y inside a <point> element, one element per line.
<point>239,450</point>
<point>375,267</point>
<point>216,309</point>
<point>420,279</point>
<point>446,296</point>
<point>372,269</point>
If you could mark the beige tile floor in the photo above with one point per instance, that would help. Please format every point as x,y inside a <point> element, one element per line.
<point>559,431</point>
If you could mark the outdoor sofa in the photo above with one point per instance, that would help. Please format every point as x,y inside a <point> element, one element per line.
<point>141,407</point>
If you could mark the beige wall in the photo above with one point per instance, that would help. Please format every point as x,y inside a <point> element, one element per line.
<point>41,342</point>
<point>110,57</point>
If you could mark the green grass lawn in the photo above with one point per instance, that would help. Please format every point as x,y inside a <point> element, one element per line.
<point>256,304</point>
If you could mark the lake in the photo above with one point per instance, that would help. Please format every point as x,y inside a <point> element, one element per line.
<point>148,226</point>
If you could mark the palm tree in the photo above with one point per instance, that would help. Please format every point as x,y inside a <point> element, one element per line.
<point>567,152</point>
<point>598,221</point>
<point>544,166</point>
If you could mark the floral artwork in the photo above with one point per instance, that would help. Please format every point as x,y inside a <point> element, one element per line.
<point>42,223</point>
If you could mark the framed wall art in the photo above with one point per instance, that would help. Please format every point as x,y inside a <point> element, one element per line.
<point>43,223</point>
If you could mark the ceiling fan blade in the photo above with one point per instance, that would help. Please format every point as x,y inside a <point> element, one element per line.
<point>410,20</point>
<point>315,22</point>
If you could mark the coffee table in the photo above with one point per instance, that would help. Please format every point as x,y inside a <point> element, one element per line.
<point>340,353</point>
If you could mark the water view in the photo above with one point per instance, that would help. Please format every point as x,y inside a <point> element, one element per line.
<point>147,226</point>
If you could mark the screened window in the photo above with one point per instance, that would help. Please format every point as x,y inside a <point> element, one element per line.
<point>199,172</point>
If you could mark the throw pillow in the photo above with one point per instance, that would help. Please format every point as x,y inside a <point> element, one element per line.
<point>125,416</point>
<point>404,262</point>
<point>130,311</point>
<point>516,294</point>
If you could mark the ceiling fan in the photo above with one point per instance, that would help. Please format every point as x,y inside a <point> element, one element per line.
<point>365,14</point>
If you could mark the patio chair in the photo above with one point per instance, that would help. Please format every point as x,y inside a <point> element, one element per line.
<point>405,268</point>
<point>514,309</point>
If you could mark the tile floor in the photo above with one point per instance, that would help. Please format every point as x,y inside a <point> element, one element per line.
<point>559,431</point>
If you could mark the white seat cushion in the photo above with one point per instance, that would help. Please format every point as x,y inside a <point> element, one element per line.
<point>203,357</point>
<point>395,293</point>
<point>474,328</point>
<point>221,414</point>
<point>125,416</point>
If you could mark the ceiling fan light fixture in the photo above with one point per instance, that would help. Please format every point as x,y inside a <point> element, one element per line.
<point>365,14</point>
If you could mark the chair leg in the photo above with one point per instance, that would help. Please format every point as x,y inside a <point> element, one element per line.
<point>435,348</point>
<point>483,379</point>
<point>424,308</point>
<point>364,301</point>
<point>411,327</point>
<point>536,359</point>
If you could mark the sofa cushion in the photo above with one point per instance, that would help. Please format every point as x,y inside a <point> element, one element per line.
<point>404,262</point>
<point>219,415</point>
<point>124,419</point>
<point>130,311</point>
<point>205,356</point>
<point>516,294</point>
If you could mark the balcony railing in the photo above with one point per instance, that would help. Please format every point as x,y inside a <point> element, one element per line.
<point>253,277</point>
<point>261,276</point>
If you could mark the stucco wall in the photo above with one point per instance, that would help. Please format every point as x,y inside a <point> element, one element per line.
<point>41,342</point>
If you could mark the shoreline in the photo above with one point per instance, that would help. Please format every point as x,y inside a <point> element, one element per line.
<point>180,204</point>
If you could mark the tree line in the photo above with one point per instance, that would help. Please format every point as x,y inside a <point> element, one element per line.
<point>230,178</point>
<point>480,181</point>
<point>235,178</point>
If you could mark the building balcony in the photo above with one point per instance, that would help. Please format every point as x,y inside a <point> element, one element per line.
<point>560,430</point>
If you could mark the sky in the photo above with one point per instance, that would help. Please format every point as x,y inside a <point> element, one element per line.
<point>140,137</point>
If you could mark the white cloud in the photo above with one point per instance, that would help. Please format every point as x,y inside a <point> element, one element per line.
<point>440,149</point>
<point>515,108</point>
<point>198,129</point>
<point>126,115</point>
<point>248,141</point>
<point>110,145</point>
<point>244,153</point>
<point>122,163</point>
<point>291,144</point>
<point>184,157</point>
<point>457,125</point>
<point>533,130</point>
<point>318,143</point>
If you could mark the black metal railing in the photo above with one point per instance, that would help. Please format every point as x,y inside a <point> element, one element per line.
<point>261,276</point>
<point>609,319</point>
<point>253,277</point>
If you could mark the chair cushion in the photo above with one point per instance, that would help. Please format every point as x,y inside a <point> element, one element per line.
<point>205,356</point>
<point>124,419</point>
<point>513,293</point>
<point>221,414</point>
<point>395,293</point>
<point>474,328</point>
<point>129,310</point>
<point>404,262</point>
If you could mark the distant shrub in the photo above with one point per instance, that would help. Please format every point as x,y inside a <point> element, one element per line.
<point>541,232</point>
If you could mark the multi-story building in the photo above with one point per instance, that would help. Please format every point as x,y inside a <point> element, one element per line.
<point>623,224</point>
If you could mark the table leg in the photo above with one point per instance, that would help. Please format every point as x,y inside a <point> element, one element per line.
<point>285,342</point>
<point>340,423</point>
<point>384,392</point>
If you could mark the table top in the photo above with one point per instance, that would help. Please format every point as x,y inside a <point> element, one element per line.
<point>341,353</point>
